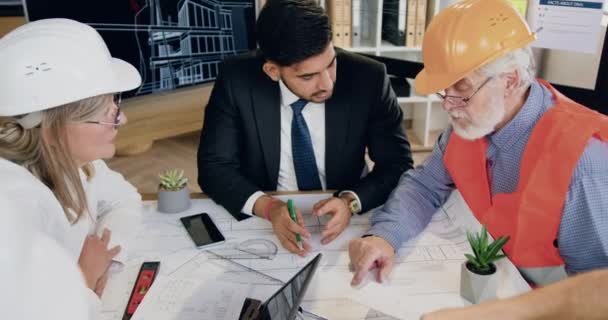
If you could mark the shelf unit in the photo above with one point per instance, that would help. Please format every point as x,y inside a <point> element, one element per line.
<point>422,110</point>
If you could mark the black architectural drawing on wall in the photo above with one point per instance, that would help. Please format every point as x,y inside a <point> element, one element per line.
<point>172,43</point>
<point>189,50</point>
<point>11,8</point>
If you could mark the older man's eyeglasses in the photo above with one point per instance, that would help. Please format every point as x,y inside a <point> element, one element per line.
<point>117,119</point>
<point>458,100</point>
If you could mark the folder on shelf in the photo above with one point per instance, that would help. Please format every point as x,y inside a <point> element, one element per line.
<point>393,21</point>
<point>356,16</point>
<point>421,6</point>
<point>335,11</point>
<point>347,23</point>
<point>369,22</point>
<point>411,23</point>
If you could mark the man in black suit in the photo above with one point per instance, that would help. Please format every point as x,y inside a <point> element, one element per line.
<point>299,115</point>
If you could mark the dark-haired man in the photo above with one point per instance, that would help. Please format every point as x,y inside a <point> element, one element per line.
<point>299,115</point>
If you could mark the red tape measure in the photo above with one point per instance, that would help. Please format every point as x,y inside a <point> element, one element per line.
<point>144,281</point>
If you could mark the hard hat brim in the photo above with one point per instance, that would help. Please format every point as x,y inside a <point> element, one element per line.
<point>127,77</point>
<point>428,84</point>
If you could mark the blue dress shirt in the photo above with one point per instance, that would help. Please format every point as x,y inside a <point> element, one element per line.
<point>583,232</point>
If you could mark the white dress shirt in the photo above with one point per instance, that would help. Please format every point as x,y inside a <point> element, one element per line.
<point>314,114</point>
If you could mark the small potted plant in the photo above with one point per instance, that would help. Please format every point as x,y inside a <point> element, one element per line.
<point>173,193</point>
<point>478,278</point>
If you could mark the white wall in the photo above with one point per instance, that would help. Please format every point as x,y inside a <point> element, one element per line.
<point>566,67</point>
<point>571,68</point>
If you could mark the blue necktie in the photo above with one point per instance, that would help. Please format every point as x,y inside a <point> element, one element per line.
<point>302,151</point>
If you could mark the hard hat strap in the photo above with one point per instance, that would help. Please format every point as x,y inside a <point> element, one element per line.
<point>30,120</point>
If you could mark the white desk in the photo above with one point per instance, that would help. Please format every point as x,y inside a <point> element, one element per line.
<point>193,284</point>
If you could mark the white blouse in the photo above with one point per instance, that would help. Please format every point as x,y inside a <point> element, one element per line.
<point>113,203</point>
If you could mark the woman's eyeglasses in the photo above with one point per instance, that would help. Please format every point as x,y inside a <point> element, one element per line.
<point>117,119</point>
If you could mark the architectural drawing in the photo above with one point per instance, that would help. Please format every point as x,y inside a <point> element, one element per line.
<point>11,8</point>
<point>173,43</point>
<point>426,275</point>
<point>189,50</point>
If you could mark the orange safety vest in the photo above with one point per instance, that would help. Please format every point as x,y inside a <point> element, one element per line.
<point>531,215</point>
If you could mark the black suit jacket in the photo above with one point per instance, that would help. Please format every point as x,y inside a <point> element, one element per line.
<point>239,150</point>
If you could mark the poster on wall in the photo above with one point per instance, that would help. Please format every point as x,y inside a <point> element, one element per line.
<point>570,25</point>
<point>173,43</point>
<point>11,8</point>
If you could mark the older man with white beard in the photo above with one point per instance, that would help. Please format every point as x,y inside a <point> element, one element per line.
<point>528,161</point>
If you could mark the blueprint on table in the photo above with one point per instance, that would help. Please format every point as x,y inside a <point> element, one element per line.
<point>196,284</point>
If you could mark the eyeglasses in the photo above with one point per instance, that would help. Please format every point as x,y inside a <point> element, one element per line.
<point>118,118</point>
<point>461,101</point>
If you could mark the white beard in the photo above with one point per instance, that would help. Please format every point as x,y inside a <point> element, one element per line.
<point>481,127</point>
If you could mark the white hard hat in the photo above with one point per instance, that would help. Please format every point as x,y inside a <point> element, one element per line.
<point>48,63</point>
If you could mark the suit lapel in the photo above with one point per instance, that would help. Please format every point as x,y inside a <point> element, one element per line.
<point>266,102</point>
<point>337,124</point>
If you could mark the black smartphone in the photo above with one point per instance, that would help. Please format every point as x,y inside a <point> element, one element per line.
<point>202,230</point>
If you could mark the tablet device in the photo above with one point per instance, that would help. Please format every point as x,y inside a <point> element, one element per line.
<point>285,303</point>
<point>202,230</point>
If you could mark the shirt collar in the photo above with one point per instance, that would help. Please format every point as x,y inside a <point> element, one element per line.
<point>524,120</point>
<point>287,97</point>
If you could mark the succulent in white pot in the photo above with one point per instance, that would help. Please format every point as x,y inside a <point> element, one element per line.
<point>478,277</point>
<point>173,193</point>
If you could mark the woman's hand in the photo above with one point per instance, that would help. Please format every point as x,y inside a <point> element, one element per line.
<point>95,258</point>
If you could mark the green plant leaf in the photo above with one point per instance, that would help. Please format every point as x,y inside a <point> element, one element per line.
<point>484,239</point>
<point>483,261</point>
<point>485,253</point>
<point>473,243</point>
<point>498,257</point>
<point>485,268</point>
<point>473,261</point>
<point>496,246</point>
<point>172,180</point>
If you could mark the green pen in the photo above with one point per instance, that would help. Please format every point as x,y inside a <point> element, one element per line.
<point>292,214</point>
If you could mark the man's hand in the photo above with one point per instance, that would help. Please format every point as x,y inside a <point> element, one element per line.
<point>370,252</point>
<point>286,230</point>
<point>339,210</point>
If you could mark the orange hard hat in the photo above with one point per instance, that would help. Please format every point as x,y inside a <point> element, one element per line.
<point>464,37</point>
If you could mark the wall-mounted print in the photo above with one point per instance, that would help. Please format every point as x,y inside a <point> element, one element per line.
<point>173,43</point>
<point>11,8</point>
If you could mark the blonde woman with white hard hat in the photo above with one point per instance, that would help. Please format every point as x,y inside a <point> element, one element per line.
<point>58,119</point>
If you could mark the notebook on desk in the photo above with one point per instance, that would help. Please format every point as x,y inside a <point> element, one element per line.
<point>285,303</point>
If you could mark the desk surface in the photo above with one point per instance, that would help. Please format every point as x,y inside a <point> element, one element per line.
<point>199,284</point>
<point>199,195</point>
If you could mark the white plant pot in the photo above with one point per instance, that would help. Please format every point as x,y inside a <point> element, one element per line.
<point>173,201</point>
<point>477,288</point>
